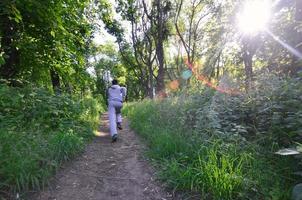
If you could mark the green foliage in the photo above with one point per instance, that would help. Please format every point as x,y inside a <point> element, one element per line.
<point>39,131</point>
<point>186,162</point>
<point>208,170</point>
<point>65,145</point>
<point>224,145</point>
<point>47,36</point>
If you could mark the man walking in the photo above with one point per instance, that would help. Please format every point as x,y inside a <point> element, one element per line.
<point>116,96</point>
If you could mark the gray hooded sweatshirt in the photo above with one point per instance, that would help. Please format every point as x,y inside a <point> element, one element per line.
<point>116,93</point>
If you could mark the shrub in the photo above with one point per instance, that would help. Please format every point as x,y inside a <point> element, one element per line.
<point>38,131</point>
<point>224,145</point>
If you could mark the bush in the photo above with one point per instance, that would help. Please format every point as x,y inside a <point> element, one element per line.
<point>38,131</point>
<point>224,145</point>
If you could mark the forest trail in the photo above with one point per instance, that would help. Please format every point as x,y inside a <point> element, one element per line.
<point>107,171</point>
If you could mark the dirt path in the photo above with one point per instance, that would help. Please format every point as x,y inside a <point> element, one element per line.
<point>107,171</point>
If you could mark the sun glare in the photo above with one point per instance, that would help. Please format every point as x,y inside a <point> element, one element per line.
<point>254,16</point>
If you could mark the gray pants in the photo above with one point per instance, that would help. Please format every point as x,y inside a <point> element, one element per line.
<point>115,115</point>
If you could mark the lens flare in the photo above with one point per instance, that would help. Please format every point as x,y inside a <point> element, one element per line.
<point>208,83</point>
<point>285,45</point>
<point>186,74</point>
<point>174,85</point>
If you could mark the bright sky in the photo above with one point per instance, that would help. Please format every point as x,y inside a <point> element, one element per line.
<point>102,37</point>
<point>254,16</point>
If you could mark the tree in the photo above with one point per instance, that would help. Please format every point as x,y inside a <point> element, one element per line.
<point>45,43</point>
<point>298,37</point>
<point>196,12</point>
<point>149,31</point>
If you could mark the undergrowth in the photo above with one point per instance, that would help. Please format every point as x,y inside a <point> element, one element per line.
<point>222,146</point>
<point>39,131</point>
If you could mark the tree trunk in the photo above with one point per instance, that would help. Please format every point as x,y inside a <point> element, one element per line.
<point>151,85</point>
<point>55,80</point>
<point>160,49</point>
<point>11,55</point>
<point>297,66</point>
<point>248,68</point>
<point>249,49</point>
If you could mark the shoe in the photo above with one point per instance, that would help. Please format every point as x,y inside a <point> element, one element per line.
<point>114,138</point>
<point>119,126</point>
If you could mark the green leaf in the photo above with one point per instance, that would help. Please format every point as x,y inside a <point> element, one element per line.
<point>52,33</point>
<point>2,61</point>
<point>16,13</point>
<point>299,148</point>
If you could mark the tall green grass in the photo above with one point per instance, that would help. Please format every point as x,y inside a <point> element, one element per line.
<point>39,131</point>
<point>186,162</point>
<point>194,150</point>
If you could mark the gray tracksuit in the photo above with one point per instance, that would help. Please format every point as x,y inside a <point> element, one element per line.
<point>116,95</point>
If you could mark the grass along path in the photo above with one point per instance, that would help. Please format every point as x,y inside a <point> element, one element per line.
<point>106,171</point>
